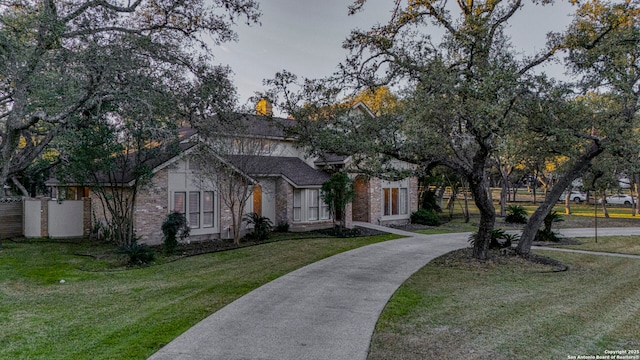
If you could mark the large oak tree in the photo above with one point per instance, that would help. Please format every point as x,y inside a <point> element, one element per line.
<point>63,60</point>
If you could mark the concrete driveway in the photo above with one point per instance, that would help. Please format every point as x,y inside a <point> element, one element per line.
<point>326,310</point>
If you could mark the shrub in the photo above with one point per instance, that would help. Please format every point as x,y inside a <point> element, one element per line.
<point>341,232</point>
<point>430,201</point>
<point>262,226</point>
<point>547,234</point>
<point>516,215</point>
<point>337,192</point>
<point>425,217</point>
<point>499,239</point>
<point>139,254</point>
<point>173,226</point>
<point>550,219</point>
<point>282,226</point>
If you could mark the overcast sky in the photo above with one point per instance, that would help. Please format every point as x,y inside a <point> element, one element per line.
<point>305,37</point>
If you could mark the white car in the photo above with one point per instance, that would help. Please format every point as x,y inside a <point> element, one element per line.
<point>575,196</point>
<point>620,199</point>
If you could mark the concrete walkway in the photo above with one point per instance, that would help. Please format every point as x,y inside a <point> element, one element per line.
<point>326,310</point>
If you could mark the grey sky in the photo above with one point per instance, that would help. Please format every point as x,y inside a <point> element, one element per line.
<point>305,37</point>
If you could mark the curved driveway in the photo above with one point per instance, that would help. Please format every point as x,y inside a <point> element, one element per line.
<point>326,310</point>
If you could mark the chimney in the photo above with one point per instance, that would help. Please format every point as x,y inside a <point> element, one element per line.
<point>264,107</point>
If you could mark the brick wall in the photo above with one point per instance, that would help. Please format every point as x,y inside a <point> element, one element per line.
<point>375,209</point>
<point>284,202</point>
<point>87,219</point>
<point>413,194</point>
<point>44,217</point>
<point>151,208</point>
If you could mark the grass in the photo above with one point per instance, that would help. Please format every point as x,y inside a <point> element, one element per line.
<point>458,308</point>
<point>109,312</point>
<point>614,244</point>
<point>582,215</point>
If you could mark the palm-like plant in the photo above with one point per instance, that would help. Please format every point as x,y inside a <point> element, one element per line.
<point>262,225</point>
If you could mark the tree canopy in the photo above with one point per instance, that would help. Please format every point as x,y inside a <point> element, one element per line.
<point>62,61</point>
<point>468,97</point>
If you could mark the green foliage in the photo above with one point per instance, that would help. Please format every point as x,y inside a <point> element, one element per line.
<point>341,232</point>
<point>544,235</point>
<point>425,217</point>
<point>547,234</point>
<point>430,201</point>
<point>283,226</point>
<point>552,218</point>
<point>337,192</point>
<point>140,309</point>
<point>87,56</point>
<point>500,239</point>
<point>174,226</point>
<point>139,254</point>
<point>516,214</point>
<point>262,226</point>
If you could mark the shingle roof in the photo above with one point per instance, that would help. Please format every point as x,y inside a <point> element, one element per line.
<point>256,125</point>
<point>331,158</point>
<point>292,168</point>
<point>127,164</point>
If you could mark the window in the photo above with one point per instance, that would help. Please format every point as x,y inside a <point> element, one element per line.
<point>179,204</point>
<point>313,202</point>
<point>325,213</point>
<point>395,201</point>
<point>309,206</point>
<point>194,209</point>
<point>297,205</point>
<point>197,206</point>
<point>207,208</point>
<point>404,201</point>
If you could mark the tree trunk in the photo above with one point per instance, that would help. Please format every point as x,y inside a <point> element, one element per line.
<point>487,222</point>
<point>479,187</point>
<point>636,205</point>
<point>21,187</point>
<point>441,191</point>
<point>535,186</point>
<point>567,203</point>
<point>452,200</point>
<point>503,197</point>
<point>537,218</point>
<point>467,216</point>
<point>604,205</point>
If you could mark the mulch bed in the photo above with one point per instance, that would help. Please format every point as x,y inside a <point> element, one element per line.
<point>204,247</point>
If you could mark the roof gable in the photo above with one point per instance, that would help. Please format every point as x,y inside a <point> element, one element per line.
<point>293,169</point>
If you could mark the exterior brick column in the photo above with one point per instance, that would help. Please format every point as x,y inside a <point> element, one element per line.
<point>284,202</point>
<point>44,217</point>
<point>87,220</point>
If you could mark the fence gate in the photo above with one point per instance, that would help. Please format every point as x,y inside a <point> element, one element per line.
<point>11,217</point>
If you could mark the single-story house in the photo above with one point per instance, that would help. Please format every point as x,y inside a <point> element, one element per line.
<point>285,188</point>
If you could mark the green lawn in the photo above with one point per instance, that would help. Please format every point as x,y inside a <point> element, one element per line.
<point>614,244</point>
<point>104,312</point>
<point>509,309</point>
<point>463,309</point>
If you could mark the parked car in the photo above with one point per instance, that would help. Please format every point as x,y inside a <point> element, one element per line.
<point>619,199</point>
<point>575,196</point>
